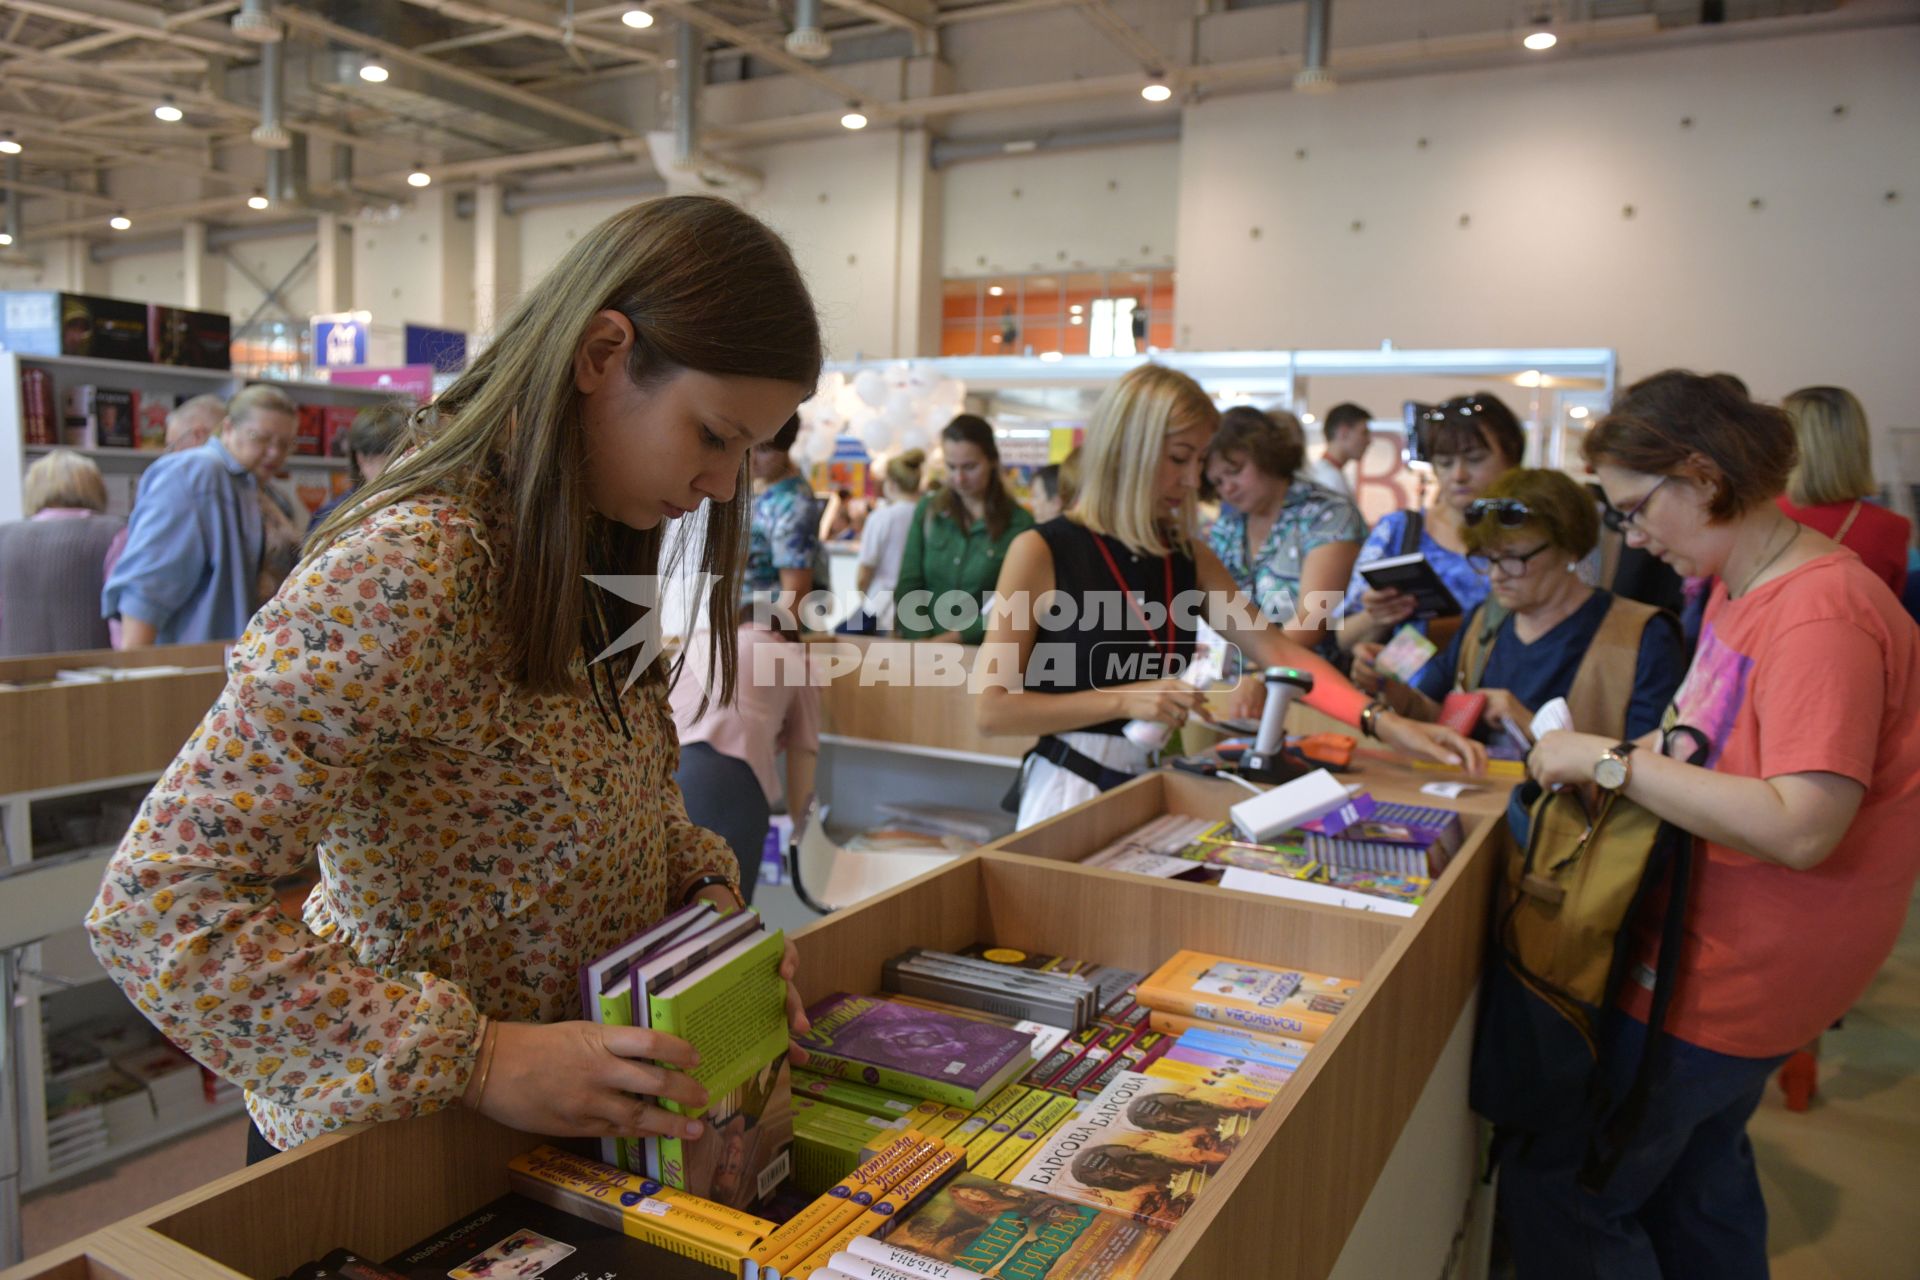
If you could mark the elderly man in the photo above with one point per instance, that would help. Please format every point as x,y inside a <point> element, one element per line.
<point>189,426</point>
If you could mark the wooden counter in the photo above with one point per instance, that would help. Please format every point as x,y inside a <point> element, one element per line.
<point>1284,1207</point>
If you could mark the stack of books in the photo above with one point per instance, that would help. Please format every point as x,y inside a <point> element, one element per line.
<point>1195,987</point>
<point>711,979</point>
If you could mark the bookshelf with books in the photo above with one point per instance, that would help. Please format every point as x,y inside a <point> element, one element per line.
<point>1303,1172</point>
<point>114,411</point>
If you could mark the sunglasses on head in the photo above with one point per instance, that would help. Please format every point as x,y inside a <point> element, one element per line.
<point>1508,513</point>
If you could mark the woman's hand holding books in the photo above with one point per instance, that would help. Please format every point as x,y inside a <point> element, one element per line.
<point>590,1080</point>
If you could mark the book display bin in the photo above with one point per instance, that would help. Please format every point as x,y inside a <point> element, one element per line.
<point>1285,1207</point>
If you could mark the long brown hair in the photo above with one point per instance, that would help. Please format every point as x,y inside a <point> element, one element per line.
<point>972,429</point>
<point>707,287</point>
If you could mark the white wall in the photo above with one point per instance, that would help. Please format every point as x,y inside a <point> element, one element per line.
<point>1820,284</point>
<point>1104,207</point>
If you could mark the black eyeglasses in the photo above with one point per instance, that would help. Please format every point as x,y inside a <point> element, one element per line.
<point>1618,520</point>
<point>1511,565</point>
<point>1508,513</point>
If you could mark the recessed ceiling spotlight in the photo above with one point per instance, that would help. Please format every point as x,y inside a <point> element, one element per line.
<point>638,19</point>
<point>419,177</point>
<point>854,119</point>
<point>373,73</point>
<point>168,111</point>
<point>258,200</point>
<point>120,222</point>
<point>1156,89</point>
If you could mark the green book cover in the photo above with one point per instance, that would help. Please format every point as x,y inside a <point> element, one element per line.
<point>733,1010</point>
<point>853,1095</point>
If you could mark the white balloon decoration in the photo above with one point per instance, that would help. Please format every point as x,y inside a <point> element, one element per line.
<point>887,408</point>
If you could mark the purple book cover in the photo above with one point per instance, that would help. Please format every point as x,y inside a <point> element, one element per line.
<point>911,1040</point>
<point>1413,824</point>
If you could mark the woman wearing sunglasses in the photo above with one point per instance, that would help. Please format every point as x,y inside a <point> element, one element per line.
<point>1470,441</point>
<point>1543,633</point>
<point>1806,684</point>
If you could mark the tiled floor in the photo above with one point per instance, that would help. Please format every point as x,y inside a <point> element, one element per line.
<point>1842,1180</point>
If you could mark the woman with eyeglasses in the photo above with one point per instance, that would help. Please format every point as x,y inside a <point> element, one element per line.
<point>1806,691</point>
<point>1543,633</point>
<point>1470,441</point>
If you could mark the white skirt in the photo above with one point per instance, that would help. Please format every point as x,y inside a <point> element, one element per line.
<point>1049,789</point>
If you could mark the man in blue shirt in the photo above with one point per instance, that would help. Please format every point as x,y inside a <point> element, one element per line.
<point>194,540</point>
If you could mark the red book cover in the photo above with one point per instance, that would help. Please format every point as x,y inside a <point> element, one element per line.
<point>36,406</point>
<point>311,432</point>
<point>337,418</point>
<point>150,412</point>
<point>1461,712</point>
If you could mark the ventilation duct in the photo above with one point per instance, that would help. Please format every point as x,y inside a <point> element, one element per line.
<point>807,40</point>
<point>1314,77</point>
<point>255,22</point>
<point>270,133</point>
<point>687,61</point>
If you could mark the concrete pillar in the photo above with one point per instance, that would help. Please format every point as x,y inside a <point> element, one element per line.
<point>69,266</point>
<point>487,245</point>
<point>333,265</point>
<point>916,304</point>
<point>201,279</point>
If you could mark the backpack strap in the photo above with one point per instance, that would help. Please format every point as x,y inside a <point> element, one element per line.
<point>1603,684</point>
<point>1481,626</point>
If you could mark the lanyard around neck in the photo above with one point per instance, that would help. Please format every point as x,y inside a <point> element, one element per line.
<point>1113,567</point>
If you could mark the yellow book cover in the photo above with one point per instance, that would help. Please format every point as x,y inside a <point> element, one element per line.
<point>1173,1024</point>
<point>1056,1111</point>
<point>898,1204</point>
<point>1252,997</point>
<point>848,1186</point>
<point>983,1143</point>
<point>795,1246</point>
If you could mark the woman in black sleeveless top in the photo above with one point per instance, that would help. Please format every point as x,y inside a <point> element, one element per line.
<point>1095,607</point>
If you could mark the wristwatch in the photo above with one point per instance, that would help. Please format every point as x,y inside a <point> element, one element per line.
<point>1615,767</point>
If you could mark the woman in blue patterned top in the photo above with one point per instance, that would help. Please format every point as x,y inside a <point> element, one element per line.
<point>1471,441</point>
<point>1285,540</point>
<point>785,528</point>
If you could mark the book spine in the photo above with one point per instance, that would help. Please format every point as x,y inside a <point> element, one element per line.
<point>983,1143</point>
<point>654,1221</point>
<point>1146,1047</point>
<point>896,1262</point>
<point>892,1080</point>
<point>1176,1023</point>
<point>1004,1158</point>
<point>899,1203</point>
<point>847,1188</point>
<point>806,1243</point>
<point>586,1177</point>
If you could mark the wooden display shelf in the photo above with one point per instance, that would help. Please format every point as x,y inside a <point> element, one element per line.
<point>910,712</point>
<point>64,734</point>
<point>1284,1207</point>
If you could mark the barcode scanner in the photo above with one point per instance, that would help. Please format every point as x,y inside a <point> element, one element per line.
<point>1268,761</point>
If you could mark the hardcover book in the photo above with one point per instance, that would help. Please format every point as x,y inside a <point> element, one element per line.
<point>151,415</point>
<point>1256,997</point>
<point>993,1229</point>
<point>113,417</point>
<point>36,407</point>
<point>914,1050</point>
<point>1146,1147</point>
<point>1414,576</point>
<point>733,1011</point>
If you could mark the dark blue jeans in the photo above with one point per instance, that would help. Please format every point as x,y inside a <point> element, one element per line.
<point>1684,1203</point>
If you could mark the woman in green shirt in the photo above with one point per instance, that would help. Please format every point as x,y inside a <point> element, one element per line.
<point>957,539</point>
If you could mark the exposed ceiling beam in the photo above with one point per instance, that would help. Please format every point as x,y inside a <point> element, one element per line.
<point>59,136</point>
<point>130,21</point>
<point>458,75</point>
<point>537,21</point>
<point>767,49</point>
<point>999,9</point>
<point>917,16</point>
<point>157,214</point>
<point>1118,30</point>
<point>59,193</point>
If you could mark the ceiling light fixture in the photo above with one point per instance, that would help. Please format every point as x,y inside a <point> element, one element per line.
<point>994,291</point>
<point>5,239</point>
<point>419,177</point>
<point>1076,319</point>
<point>120,222</point>
<point>168,112</point>
<point>1051,357</point>
<point>854,119</point>
<point>1541,38</point>
<point>1156,89</point>
<point>1307,419</point>
<point>638,19</point>
<point>258,200</point>
<point>1531,378</point>
<point>373,73</point>
<point>9,147</point>
<point>1578,413</point>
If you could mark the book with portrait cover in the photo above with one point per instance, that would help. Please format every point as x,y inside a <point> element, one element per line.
<point>993,1229</point>
<point>515,1236</point>
<point>914,1050</point>
<point>1254,997</point>
<point>1145,1147</point>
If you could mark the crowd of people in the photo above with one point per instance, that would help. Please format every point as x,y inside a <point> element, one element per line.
<point>445,669</point>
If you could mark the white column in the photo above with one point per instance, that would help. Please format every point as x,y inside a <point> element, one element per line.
<point>487,240</point>
<point>916,276</point>
<point>200,279</point>
<point>333,277</point>
<point>69,266</point>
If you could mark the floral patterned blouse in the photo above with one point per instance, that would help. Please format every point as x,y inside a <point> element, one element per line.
<point>1310,517</point>
<point>477,843</point>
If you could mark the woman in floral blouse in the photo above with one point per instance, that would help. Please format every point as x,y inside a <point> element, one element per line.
<point>437,704</point>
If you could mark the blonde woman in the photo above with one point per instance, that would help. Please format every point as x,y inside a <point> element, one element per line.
<point>1121,582</point>
<point>53,563</point>
<point>438,702</point>
<point>1830,488</point>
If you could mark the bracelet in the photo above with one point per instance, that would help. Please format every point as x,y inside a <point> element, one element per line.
<point>709,880</point>
<point>477,1084</point>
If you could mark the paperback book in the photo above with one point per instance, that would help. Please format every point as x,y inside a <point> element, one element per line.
<point>913,1050</point>
<point>993,1229</point>
<point>1240,993</point>
<point>1145,1147</point>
